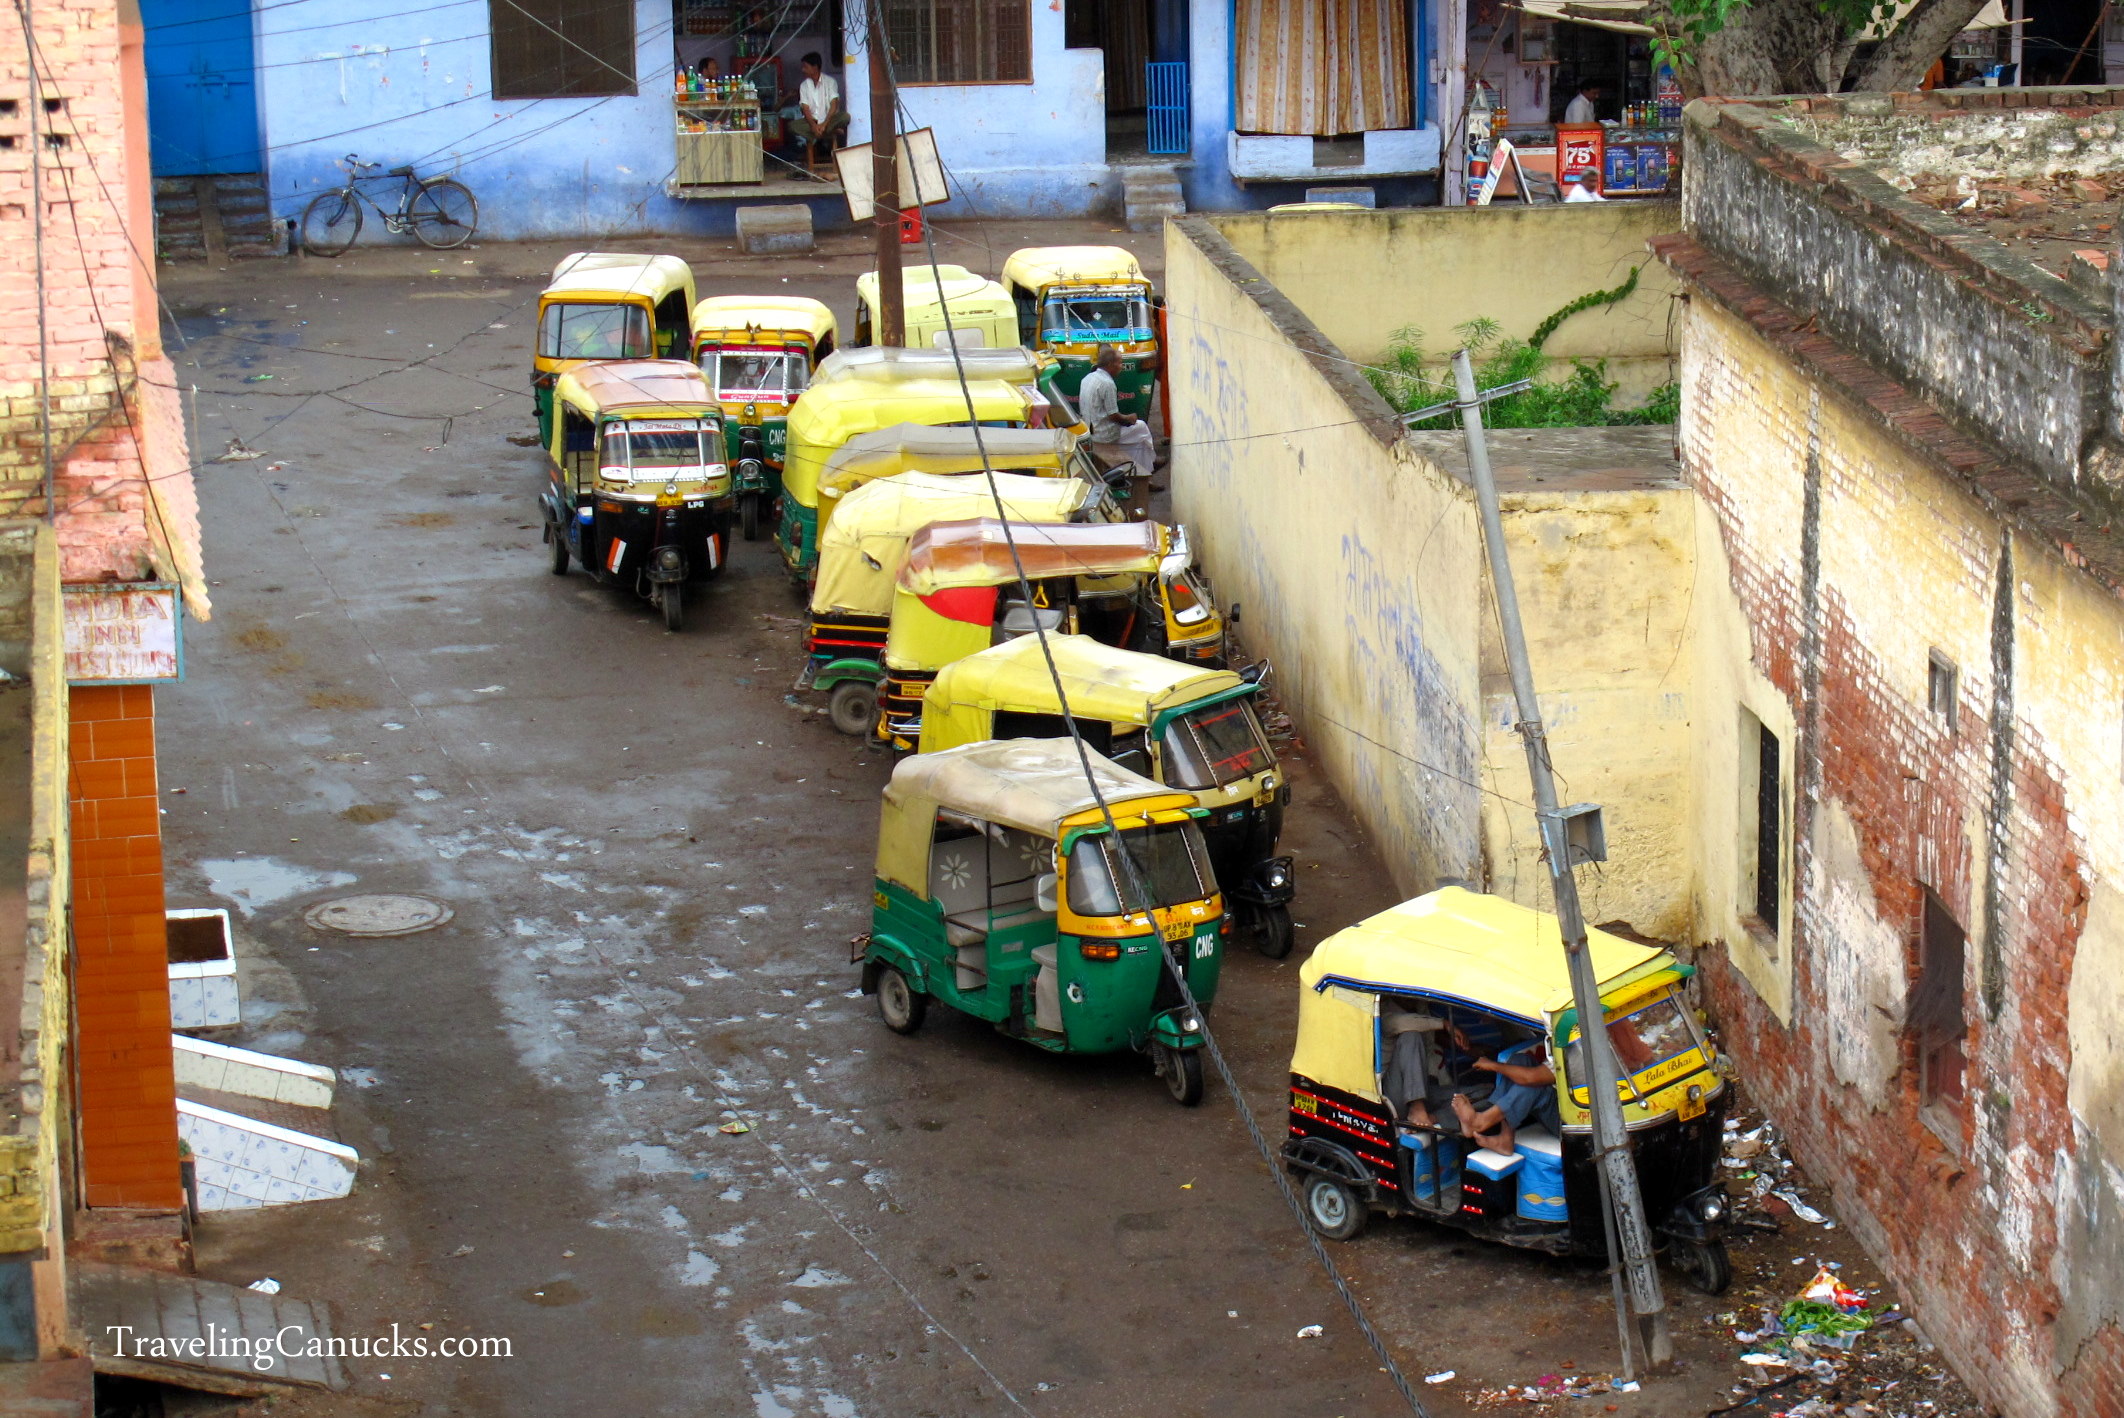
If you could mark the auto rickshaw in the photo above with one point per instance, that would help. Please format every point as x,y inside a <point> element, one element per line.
<point>832,412</point>
<point>1002,891</point>
<point>1192,729</point>
<point>1035,372</point>
<point>861,552</point>
<point>637,489</point>
<point>981,312</point>
<point>1460,975</point>
<point>759,352</point>
<point>608,305</point>
<point>958,594</point>
<point>1072,299</point>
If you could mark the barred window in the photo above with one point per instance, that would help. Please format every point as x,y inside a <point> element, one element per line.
<point>562,48</point>
<point>960,41</point>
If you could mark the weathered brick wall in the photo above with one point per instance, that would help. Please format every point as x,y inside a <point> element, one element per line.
<point>1850,557</point>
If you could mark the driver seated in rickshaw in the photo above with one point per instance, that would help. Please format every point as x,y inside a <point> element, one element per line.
<point>1524,1091</point>
<point>1519,1087</point>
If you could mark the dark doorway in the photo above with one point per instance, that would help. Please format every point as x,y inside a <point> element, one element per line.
<point>1133,35</point>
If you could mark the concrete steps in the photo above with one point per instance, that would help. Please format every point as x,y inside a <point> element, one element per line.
<point>1149,194</point>
<point>216,218</point>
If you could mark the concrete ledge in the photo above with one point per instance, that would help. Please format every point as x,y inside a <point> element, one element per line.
<point>204,1064</point>
<point>774,231</point>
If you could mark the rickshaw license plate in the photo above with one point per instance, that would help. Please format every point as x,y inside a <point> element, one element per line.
<point>1179,930</point>
<point>1690,1108</point>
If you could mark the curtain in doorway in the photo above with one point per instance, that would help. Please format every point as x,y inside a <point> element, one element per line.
<point>1124,27</point>
<point>1322,66</point>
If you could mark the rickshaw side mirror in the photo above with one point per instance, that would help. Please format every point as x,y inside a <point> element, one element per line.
<point>1044,891</point>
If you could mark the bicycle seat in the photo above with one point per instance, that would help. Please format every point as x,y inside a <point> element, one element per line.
<point>399,172</point>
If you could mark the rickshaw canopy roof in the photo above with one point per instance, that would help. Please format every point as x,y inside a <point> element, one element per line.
<point>635,386</point>
<point>831,414</point>
<point>1034,785</point>
<point>884,363</point>
<point>977,552</point>
<point>769,314</point>
<point>1103,683</point>
<point>862,548</point>
<point>1456,944</point>
<point>918,285</point>
<point>1035,268</point>
<point>616,275</point>
<point>925,448</point>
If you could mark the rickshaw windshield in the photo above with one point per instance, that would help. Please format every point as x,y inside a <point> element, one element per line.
<point>1170,862</point>
<point>754,376</point>
<point>586,331</point>
<point>1190,603</point>
<point>1216,746</point>
<point>655,448</point>
<point>1644,1039</point>
<point>1109,316</point>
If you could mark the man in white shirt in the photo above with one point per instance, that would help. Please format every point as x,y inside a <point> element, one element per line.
<point>1115,436</point>
<point>818,113</point>
<point>1581,109</point>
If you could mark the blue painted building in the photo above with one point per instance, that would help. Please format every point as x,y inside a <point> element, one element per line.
<point>559,113</point>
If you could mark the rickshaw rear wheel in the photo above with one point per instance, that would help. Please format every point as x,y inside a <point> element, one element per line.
<point>672,597</point>
<point>749,517</point>
<point>1272,930</point>
<point>1706,1266</point>
<point>900,1004</point>
<point>1182,1071</point>
<point>558,536</point>
<point>1336,1211</point>
<point>853,707</point>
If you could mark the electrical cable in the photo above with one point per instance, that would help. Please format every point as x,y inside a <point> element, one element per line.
<point>1131,870</point>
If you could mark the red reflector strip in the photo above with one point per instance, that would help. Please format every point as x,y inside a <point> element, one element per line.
<point>612,557</point>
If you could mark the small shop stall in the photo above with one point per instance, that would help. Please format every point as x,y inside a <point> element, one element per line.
<point>735,71</point>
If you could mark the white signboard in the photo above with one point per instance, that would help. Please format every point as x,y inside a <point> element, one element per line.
<point>919,174</point>
<point>123,633</point>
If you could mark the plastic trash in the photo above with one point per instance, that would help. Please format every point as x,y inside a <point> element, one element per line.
<point>267,1286</point>
<point>1438,1378</point>
<point>1311,1331</point>
<point>1800,1208</point>
<point>734,1129</point>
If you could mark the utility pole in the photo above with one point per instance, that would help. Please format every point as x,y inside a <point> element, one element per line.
<point>1624,1203</point>
<point>884,185</point>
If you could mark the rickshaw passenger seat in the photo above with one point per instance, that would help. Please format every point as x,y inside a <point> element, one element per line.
<point>958,932</point>
<point>1021,619</point>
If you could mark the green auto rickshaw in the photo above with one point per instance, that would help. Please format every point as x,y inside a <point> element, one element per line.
<point>1003,892</point>
<point>1072,299</point>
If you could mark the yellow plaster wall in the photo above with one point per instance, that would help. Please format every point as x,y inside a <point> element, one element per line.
<point>1439,267</point>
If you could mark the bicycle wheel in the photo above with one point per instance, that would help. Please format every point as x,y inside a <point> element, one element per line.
<point>444,213</point>
<point>330,223</point>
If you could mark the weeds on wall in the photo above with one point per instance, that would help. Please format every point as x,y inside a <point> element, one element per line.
<point>1584,398</point>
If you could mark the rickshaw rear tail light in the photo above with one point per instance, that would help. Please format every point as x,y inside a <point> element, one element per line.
<point>1099,950</point>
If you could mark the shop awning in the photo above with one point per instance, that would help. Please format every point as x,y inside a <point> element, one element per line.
<point>1617,15</point>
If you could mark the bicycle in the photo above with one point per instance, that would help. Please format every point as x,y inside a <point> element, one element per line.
<point>440,211</point>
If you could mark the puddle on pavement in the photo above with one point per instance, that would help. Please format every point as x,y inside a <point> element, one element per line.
<point>556,1292</point>
<point>365,813</point>
<point>253,882</point>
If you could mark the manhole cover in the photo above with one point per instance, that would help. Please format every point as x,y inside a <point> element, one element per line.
<point>378,915</point>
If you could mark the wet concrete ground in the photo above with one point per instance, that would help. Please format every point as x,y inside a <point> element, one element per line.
<point>656,867</point>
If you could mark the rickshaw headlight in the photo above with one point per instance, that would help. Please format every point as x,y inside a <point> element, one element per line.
<point>1711,1208</point>
<point>1278,878</point>
<point>1191,1025</point>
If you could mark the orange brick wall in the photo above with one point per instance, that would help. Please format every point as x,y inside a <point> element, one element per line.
<point>128,1094</point>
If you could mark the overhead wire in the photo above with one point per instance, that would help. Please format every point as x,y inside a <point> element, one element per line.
<point>1136,887</point>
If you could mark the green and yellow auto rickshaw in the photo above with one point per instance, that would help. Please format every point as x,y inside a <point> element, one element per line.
<point>1189,728</point>
<point>1395,1013</point>
<point>958,594</point>
<point>1004,891</point>
<point>637,490</point>
<point>759,352</point>
<point>608,305</point>
<point>980,310</point>
<point>832,412</point>
<point>1072,299</point>
<point>861,552</point>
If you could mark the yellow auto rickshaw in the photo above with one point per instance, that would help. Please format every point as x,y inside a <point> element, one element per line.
<point>759,352</point>
<point>958,593</point>
<point>981,312</point>
<point>1054,903</point>
<point>1072,299</point>
<point>1396,1012</point>
<point>925,448</point>
<point>831,413</point>
<point>637,490</point>
<point>608,305</point>
<point>1188,728</point>
<point>861,552</point>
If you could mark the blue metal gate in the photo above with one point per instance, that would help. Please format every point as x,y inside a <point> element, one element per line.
<point>1168,107</point>
<point>202,91</point>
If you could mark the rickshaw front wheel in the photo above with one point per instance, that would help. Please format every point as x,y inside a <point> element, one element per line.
<point>558,536</point>
<point>900,1005</point>
<point>671,596</point>
<point>1705,1265</point>
<point>853,707</point>
<point>1336,1211</point>
<point>1272,931</point>
<point>1182,1072</point>
<point>749,516</point>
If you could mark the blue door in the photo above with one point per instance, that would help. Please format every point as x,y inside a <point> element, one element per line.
<point>202,92</point>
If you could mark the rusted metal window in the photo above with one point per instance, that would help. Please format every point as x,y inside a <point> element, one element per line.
<point>960,41</point>
<point>1942,687</point>
<point>1769,822</point>
<point>1937,1018</point>
<point>562,48</point>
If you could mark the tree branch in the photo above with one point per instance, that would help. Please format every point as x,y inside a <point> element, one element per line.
<point>1903,59</point>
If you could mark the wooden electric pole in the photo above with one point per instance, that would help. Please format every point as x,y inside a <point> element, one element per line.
<point>885,186</point>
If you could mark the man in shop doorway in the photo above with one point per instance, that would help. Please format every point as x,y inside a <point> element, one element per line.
<point>1583,108</point>
<point>818,114</point>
